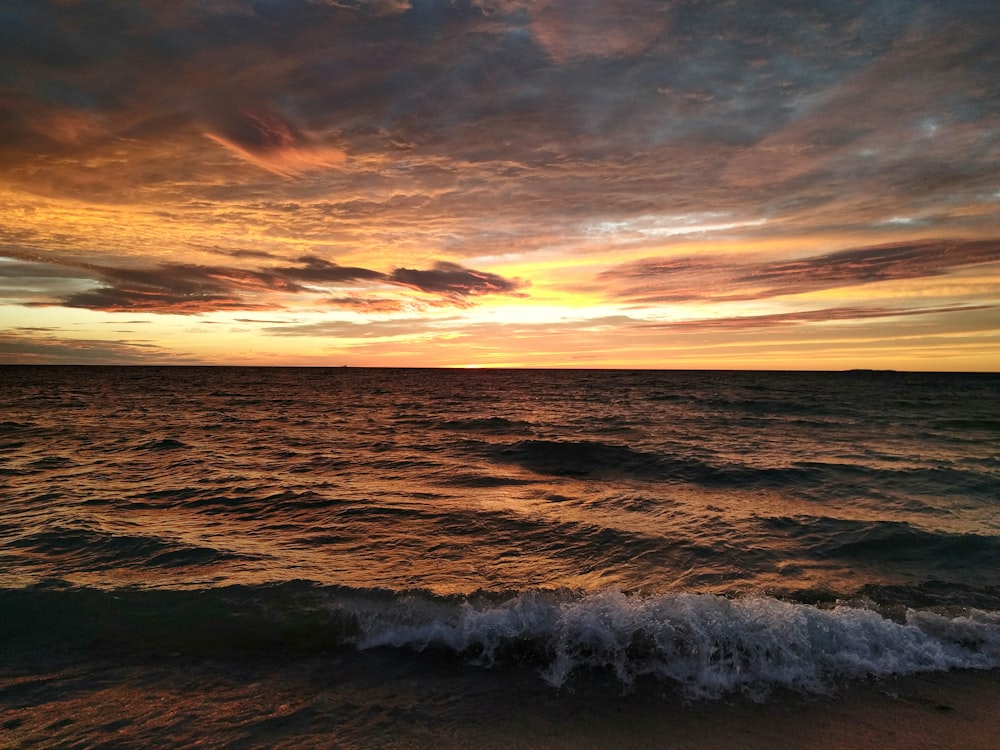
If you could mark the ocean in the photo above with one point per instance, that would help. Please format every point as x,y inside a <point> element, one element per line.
<point>351,557</point>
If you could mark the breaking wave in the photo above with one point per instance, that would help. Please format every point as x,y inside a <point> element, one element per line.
<point>702,644</point>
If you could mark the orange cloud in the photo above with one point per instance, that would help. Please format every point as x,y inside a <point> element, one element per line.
<point>67,125</point>
<point>573,29</point>
<point>263,138</point>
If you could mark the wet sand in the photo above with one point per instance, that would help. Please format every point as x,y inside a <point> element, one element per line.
<point>946,710</point>
<point>382,701</point>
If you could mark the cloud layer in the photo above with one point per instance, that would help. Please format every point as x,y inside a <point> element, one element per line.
<point>369,165</point>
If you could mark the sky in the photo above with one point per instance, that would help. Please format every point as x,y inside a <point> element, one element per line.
<point>501,183</point>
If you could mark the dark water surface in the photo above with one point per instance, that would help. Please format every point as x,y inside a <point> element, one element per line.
<point>588,531</point>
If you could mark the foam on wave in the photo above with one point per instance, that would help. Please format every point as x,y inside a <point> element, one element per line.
<point>709,645</point>
<point>703,644</point>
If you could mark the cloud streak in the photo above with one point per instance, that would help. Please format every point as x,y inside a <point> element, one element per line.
<point>32,348</point>
<point>734,278</point>
<point>184,288</point>
<point>825,315</point>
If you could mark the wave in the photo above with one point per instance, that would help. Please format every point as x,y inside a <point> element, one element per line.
<point>490,425</point>
<point>163,444</point>
<point>100,550</point>
<point>595,459</point>
<point>983,424</point>
<point>708,645</point>
<point>705,645</point>
<point>53,462</point>
<point>577,457</point>
<point>11,426</point>
<point>889,541</point>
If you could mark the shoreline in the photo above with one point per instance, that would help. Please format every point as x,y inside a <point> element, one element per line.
<point>379,700</point>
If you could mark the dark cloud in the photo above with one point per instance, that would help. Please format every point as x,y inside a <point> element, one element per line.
<point>317,270</point>
<point>180,288</point>
<point>877,263</point>
<point>257,133</point>
<point>115,299</point>
<point>186,288</point>
<point>269,140</point>
<point>191,279</point>
<point>454,280</point>
<point>732,277</point>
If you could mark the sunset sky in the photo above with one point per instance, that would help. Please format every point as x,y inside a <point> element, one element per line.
<point>560,183</point>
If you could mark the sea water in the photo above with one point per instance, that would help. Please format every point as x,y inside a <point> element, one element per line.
<point>460,532</point>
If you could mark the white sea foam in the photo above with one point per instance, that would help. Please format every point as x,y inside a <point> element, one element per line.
<point>707,644</point>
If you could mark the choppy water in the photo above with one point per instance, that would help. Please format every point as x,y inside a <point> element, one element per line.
<point>712,531</point>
